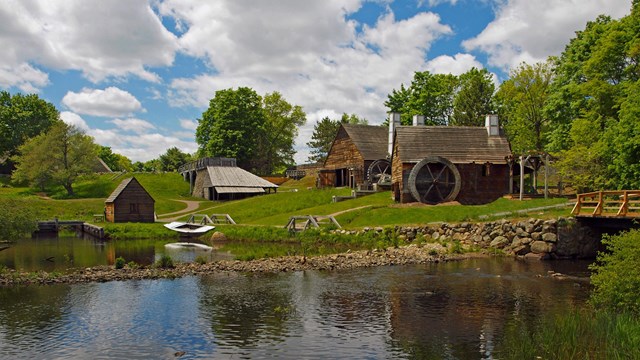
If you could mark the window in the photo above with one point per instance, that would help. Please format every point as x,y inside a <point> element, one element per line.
<point>134,208</point>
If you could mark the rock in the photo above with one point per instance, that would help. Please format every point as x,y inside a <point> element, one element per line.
<point>218,236</point>
<point>539,247</point>
<point>521,250</point>
<point>499,242</point>
<point>536,236</point>
<point>550,237</point>
<point>435,235</point>
<point>534,256</point>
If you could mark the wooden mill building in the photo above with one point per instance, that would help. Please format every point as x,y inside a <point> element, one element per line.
<point>130,202</point>
<point>434,164</point>
<point>354,149</point>
<point>220,179</point>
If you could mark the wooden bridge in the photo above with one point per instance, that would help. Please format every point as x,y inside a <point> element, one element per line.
<point>618,209</point>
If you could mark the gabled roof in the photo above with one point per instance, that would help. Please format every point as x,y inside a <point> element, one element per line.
<point>459,144</point>
<point>372,141</point>
<point>235,178</point>
<point>123,185</point>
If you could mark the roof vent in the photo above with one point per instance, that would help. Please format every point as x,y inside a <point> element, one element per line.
<point>418,120</point>
<point>492,124</point>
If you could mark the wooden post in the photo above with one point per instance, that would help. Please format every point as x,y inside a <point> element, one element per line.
<point>521,177</point>
<point>546,176</point>
<point>510,177</point>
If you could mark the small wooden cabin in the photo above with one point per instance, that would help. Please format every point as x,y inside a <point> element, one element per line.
<point>435,164</point>
<point>130,202</point>
<point>354,149</point>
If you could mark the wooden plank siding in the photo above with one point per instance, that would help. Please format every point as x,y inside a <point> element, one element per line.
<point>130,202</point>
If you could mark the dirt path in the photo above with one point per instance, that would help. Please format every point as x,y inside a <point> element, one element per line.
<point>348,210</point>
<point>191,206</point>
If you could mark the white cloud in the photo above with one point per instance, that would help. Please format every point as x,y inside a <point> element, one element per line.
<point>137,126</point>
<point>23,76</point>
<point>530,31</point>
<point>75,120</point>
<point>101,39</point>
<point>188,124</point>
<point>456,65</point>
<point>110,102</point>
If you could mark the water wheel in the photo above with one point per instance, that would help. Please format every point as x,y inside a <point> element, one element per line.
<point>434,180</point>
<point>379,172</point>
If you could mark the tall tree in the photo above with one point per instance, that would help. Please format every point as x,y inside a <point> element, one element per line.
<point>474,98</point>
<point>430,95</point>
<point>230,125</point>
<point>21,118</point>
<point>115,162</point>
<point>521,100</point>
<point>59,157</point>
<point>275,146</point>
<point>172,159</point>
<point>324,132</point>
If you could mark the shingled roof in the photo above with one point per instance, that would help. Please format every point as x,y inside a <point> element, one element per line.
<point>371,141</point>
<point>458,144</point>
<point>123,185</point>
<point>231,179</point>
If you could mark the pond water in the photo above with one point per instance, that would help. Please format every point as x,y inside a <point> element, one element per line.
<point>455,310</point>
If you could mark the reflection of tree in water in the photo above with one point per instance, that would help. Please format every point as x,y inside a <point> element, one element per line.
<point>461,309</point>
<point>31,310</point>
<point>245,310</point>
<point>353,310</point>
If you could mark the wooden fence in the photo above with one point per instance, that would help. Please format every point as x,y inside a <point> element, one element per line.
<point>620,203</point>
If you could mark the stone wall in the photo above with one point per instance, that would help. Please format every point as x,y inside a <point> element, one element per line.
<point>562,238</point>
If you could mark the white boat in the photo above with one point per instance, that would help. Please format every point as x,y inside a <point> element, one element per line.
<point>188,228</point>
<point>188,245</point>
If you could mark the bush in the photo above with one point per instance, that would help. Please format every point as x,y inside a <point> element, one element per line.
<point>133,265</point>
<point>165,262</point>
<point>201,260</point>
<point>616,274</point>
<point>16,219</point>
<point>120,262</point>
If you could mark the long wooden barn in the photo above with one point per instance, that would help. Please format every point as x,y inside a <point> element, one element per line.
<point>220,179</point>
<point>130,202</point>
<point>435,164</point>
<point>353,152</point>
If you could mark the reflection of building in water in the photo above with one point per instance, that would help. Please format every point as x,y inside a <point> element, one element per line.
<point>462,312</point>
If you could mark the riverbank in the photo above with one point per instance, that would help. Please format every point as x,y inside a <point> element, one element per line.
<point>405,255</point>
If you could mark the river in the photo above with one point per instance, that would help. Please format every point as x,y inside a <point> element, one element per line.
<point>454,310</point>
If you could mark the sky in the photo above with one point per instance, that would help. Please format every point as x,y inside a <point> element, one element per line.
<point>137,75</point>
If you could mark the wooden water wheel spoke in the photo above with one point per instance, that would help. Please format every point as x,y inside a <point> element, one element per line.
<point>379,171</point>
<point>434,180</point>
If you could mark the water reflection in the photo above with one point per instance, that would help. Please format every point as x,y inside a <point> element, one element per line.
<point>448,310</point>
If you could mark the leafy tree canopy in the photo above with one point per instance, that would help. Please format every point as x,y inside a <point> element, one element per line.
<point>115,162</point>
<point>57,157</point>
<point>473,99</point>
<point>172,159</point>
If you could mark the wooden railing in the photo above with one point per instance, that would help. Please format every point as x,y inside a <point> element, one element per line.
<point>621,203</point>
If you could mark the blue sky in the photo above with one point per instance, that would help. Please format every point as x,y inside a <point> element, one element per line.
<point>136,74</point>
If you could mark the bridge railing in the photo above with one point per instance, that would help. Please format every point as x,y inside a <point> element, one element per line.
<point>621,203</point>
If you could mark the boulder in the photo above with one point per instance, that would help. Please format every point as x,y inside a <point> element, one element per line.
<point>218,236</point>
<point>499,242</point>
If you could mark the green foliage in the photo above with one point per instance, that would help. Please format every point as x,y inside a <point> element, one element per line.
<point>165,262</point>
<point>258,132</point>
<point>119,263</point>
<point>200,259</point>
<point>172,159</point>
<point>572,334</point>
<point>23,117</point>
<point>133,265</point>
<point>16,219</point>
<point>324,132</point>
<point>474,98</point>
<point>115,162</point>
<point>616,276</point>
<point>59,156</point>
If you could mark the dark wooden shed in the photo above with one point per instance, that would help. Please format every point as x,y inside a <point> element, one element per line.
<point>130,202</point>
<point>434,164</point>
<point>354,149</point>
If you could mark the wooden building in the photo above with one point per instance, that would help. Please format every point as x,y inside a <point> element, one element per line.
<point>434,164</point>
<point>354,149</point>
<point>130,202</point>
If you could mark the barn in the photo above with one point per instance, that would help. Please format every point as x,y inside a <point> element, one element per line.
<point>130,202</point>
<point>358,153</point>
<point>215,178</point>
<point>435,164</point>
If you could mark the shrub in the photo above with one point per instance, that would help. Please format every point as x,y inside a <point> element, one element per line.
<point>120,262</point>
<point>133,265</point>
<point>165,262</point>
<point>201,260</point>
<point>616,276</point>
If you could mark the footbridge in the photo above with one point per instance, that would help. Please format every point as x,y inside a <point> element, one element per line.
<point>189,170</point>
<point>614,210</point>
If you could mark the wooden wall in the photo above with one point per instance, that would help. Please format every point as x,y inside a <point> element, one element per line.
<point>133,204</point>
<point>343,155</point>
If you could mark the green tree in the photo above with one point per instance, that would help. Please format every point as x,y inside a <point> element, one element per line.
<point>231,125</point>
<point>21,118</point>
<point>474,98</point>
<point>430,95</point>
<point>172,159</point>
<point>59,157</point>
<point>324,132</point>
<point>275,145</point>
<point>16,219</point>
<point>520,101</point>
<point>115,162</point>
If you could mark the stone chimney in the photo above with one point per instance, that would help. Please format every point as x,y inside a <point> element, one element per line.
<point>394,122</point>
<point>418,120</point>
<point>492,125</point>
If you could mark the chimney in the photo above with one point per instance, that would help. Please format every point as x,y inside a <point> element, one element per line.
<point>394,122</point>
<point>418,120</point>
<point>492,125</point>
